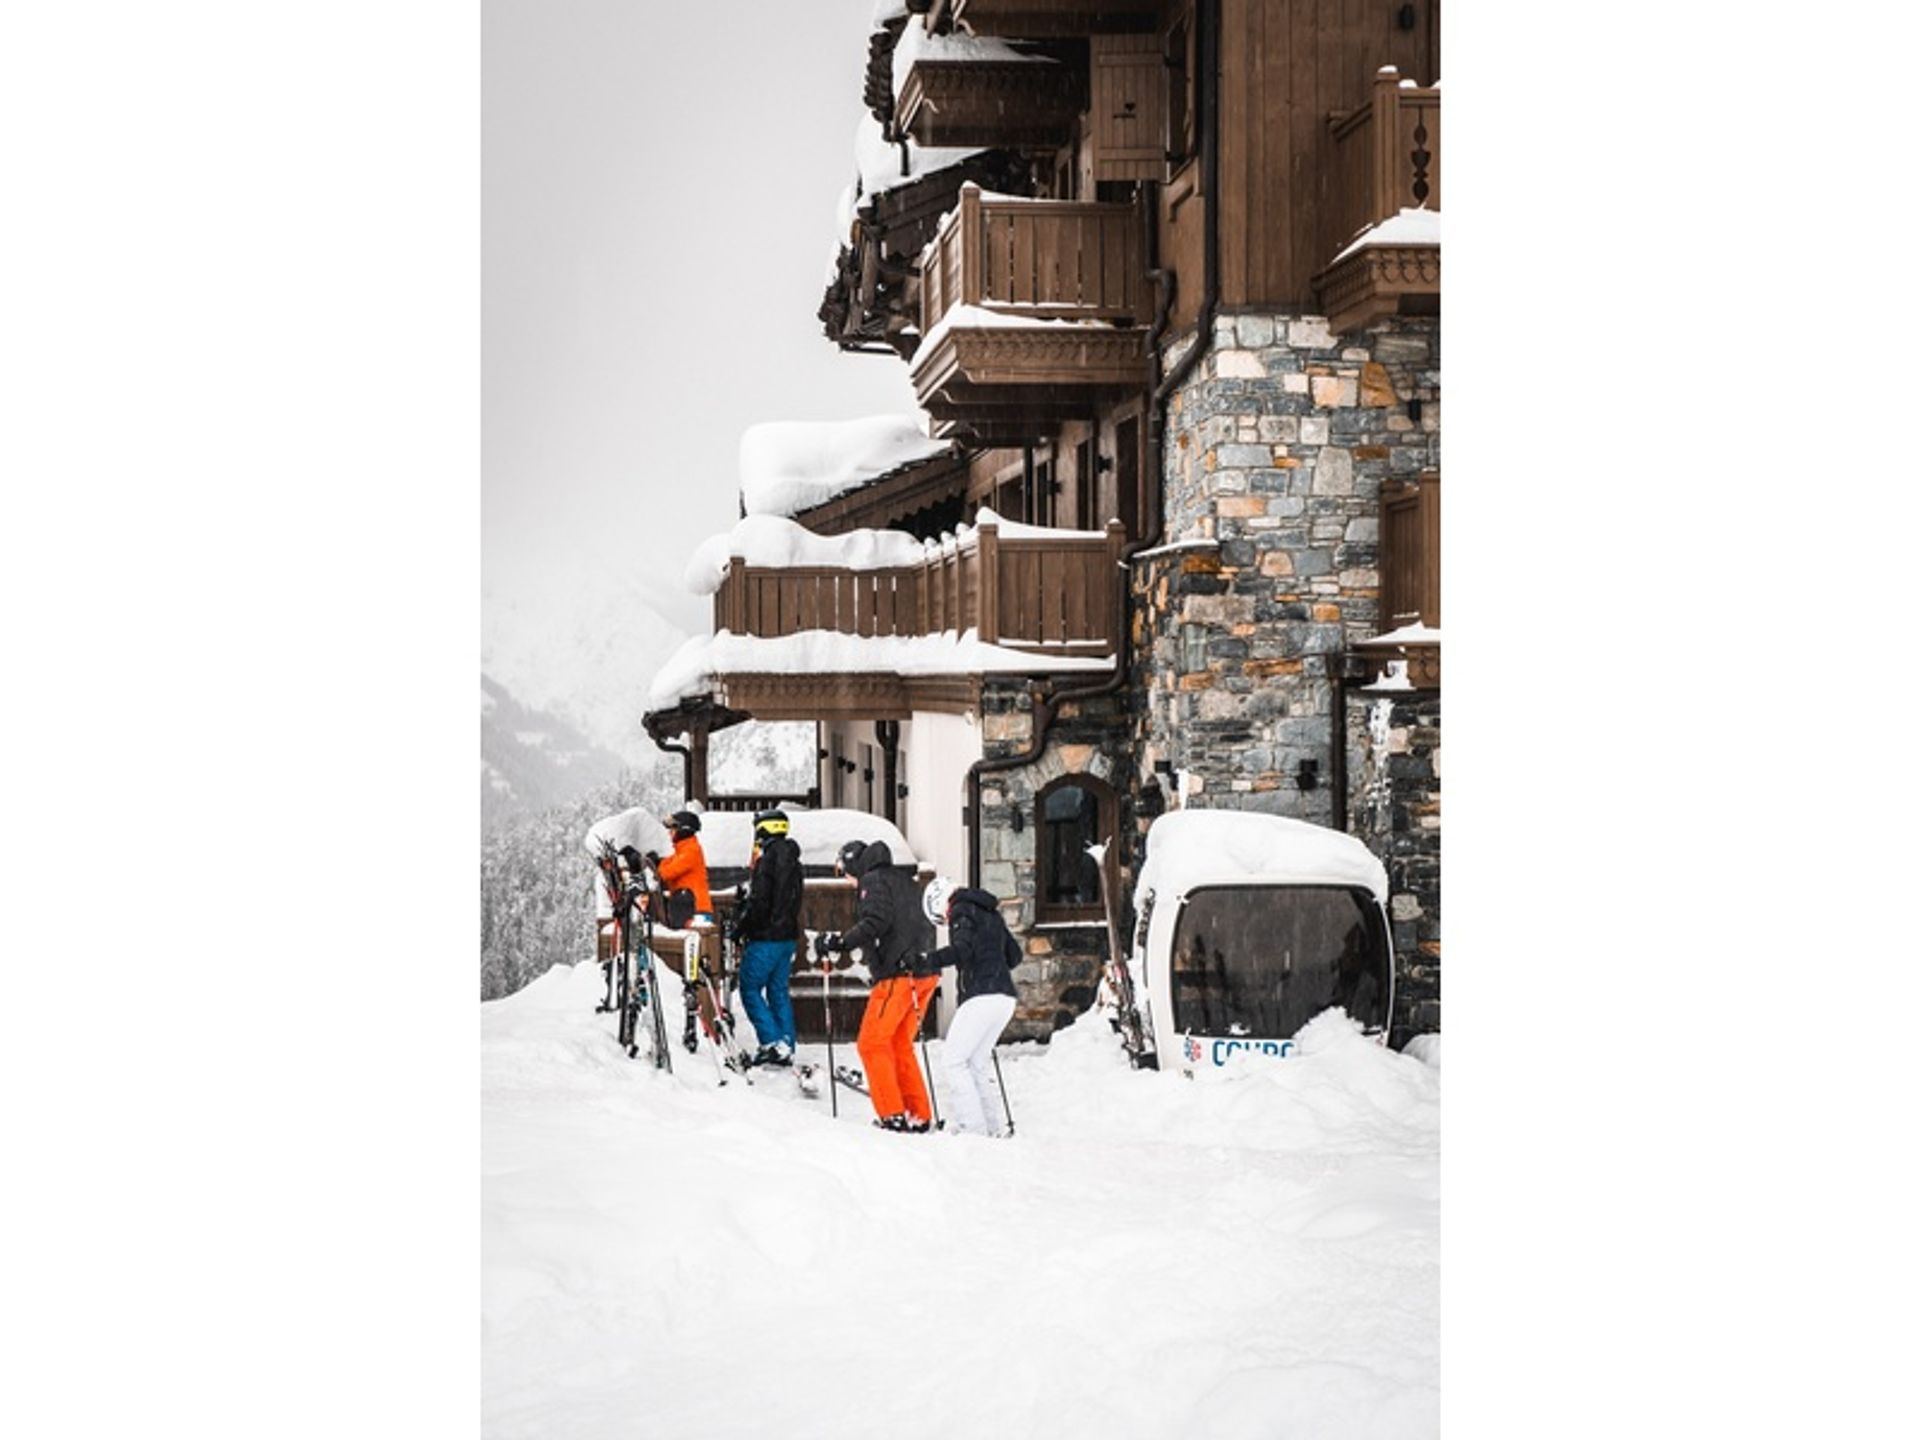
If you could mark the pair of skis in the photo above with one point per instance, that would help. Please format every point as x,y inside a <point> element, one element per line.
<point>633,990</point>
<point>729,1054</point>
<point>1119,978</point>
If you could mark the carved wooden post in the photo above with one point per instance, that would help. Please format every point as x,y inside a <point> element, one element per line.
<point>987,562</point>
<point>967,232</point>
<point>1384,202</point>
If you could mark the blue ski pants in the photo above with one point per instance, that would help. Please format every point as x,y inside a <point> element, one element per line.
<point>765,968</point>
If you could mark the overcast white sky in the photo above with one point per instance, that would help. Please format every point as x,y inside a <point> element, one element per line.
<point>660,182</point>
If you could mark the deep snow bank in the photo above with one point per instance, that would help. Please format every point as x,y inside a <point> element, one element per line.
<point>1252,1253</point>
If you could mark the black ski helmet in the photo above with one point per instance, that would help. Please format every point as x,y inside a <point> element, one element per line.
<point>684,822</point>
<point>769,823</point>
<point>850,854</point>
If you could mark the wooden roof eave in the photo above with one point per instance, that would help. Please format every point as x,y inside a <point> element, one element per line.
<point>889,498</point>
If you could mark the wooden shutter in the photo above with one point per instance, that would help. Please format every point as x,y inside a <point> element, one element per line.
<point>1127,116</point>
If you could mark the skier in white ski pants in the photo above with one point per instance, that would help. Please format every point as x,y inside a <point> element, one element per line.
<point>982,953</point>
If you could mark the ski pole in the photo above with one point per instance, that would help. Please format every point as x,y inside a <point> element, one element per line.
<point>826,1003</point>
<point>925,1063</point>
<point>1001,1081</point>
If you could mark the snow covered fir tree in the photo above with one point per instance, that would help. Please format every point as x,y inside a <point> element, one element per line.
<point>1166,535</point>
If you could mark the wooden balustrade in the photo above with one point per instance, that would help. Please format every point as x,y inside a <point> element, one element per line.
<point>1056,593</point>
<point>1386,158</point>
<point>1041,259</point>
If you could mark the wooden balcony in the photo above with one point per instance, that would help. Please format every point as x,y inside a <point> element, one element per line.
<point>1011,104</point>
<point>1386,158</point>
<point>1054,596</point>
<point>993,363</point>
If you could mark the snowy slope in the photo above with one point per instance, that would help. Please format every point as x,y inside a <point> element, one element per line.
<point>1245,1256</point>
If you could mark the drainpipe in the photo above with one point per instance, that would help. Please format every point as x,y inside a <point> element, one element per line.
<point>686,763</point>
<point>887,732</point>
<point>1207,14</point>
<point>1046,705</point>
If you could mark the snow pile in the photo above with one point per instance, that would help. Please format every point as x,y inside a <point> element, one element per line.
<point>726,836</point>
<point>638,827</point>
<point>789,466</point>
<point>773,541</point>
<point>1418,633</point>
<point>1409,227</point>
<point>1190,848</point>
<point>693,667</point>
<point>1252,1255</point>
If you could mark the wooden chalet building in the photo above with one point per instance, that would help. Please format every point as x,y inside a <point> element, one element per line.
<point>1166,276</point>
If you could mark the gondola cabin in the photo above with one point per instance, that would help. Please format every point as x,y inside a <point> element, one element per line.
<point>1248,926</point>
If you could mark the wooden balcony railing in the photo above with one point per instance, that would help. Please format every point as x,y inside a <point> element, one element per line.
<point>1039,259</point>
<point>1056,594</point>
<point>1386,158</point>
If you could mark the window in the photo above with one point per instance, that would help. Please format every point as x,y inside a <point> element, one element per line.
<point>1410,553</point>
<point>1072,813</point>
<point>1262,960</point>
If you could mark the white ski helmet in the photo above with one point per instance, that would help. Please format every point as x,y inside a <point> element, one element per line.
<point>934,899</point>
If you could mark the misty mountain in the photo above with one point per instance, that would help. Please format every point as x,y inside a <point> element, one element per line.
<point>583,649</point>
<point>531,760</point>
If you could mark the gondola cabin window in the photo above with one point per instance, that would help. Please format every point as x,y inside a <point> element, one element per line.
<point>1263,960</point>
<point>1074,812</point>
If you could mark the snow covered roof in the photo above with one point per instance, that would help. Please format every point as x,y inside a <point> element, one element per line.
<point>792,465</point>
<point>878,164</point>
<point>693,667</point>
<point>916,44</point>
<point>1190,848</point>
<point>1409,227</point>
<point>726,836</point>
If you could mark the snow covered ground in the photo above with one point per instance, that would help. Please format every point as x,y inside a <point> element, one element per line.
<point>1252,1254</point>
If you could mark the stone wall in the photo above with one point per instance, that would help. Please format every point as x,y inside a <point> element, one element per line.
<point>1396,810</point>
<point>1273,458</point>
<point>1062,969</point>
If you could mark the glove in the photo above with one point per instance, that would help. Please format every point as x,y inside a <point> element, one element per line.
<point>740,893</point>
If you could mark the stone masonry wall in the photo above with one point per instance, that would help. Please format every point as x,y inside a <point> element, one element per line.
<point>1273,457</point>
<point>1062,969</point>
<point>1396,810</point>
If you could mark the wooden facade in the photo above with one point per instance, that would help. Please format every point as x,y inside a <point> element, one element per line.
<point>1040,289</point>
<point>1055,595</point>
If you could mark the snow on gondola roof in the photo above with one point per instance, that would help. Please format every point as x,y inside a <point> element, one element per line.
<point>1191,848</point>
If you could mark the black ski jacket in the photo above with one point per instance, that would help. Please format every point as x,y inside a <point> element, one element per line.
<point>892,930</point>
<point>774,888</point>
<point>983,952</point>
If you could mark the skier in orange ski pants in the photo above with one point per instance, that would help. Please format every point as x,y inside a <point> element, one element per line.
<point>893,937</point>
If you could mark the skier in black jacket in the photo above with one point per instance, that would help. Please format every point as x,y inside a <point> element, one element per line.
<point>894,937</point>
<point>769,934</point>
<point>982,952</point>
